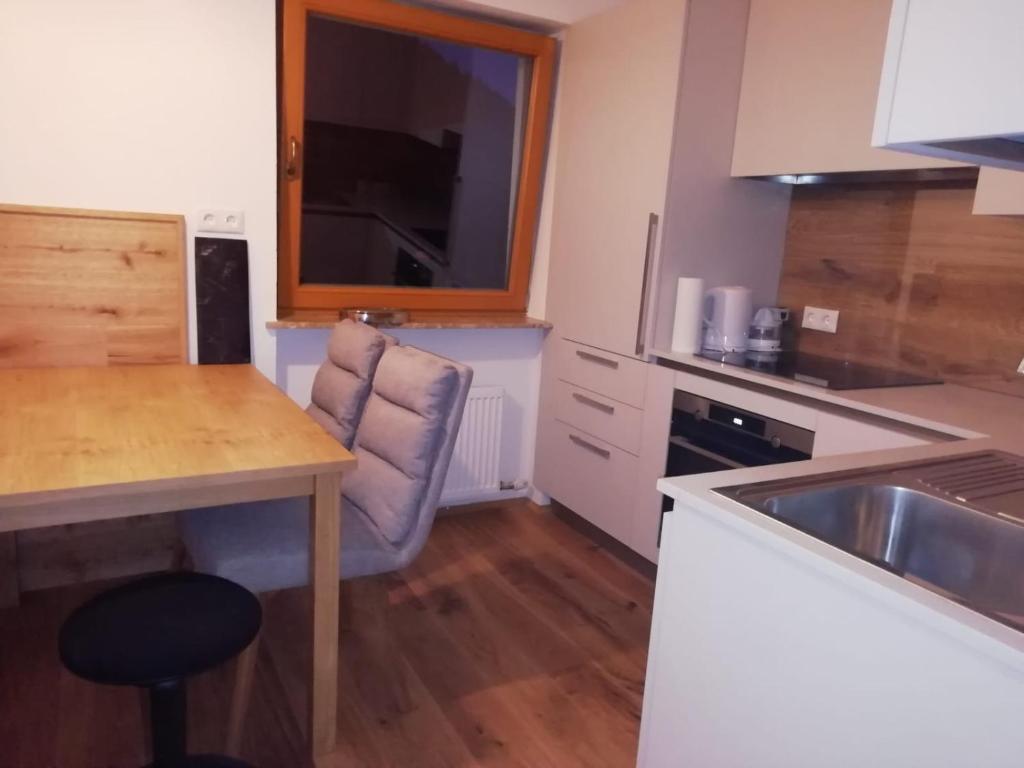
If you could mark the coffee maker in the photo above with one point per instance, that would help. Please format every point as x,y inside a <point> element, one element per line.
<point>766,330</point>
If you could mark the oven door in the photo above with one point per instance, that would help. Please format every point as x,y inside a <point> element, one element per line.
<point>687,457</point>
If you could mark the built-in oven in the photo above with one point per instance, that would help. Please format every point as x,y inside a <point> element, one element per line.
<point>708,436</point>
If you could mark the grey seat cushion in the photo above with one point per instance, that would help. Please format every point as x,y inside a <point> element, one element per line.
<point>265,545</point>
<point>399,438</point>
<point>404,444</point>
<point>343,382</point>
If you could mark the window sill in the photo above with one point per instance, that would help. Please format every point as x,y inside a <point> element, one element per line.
<point>295,319</point>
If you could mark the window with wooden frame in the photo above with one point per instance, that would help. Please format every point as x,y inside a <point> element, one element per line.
<point>413,146</point>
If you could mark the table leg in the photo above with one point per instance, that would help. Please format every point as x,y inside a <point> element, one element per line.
<point>324,541</point>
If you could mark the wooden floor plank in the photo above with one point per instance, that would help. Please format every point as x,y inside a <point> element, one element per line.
<point>486,712</point>
<point>513,641</point>
<point>458,599</point>
<point>512,540</point>
<point>396,710</point>
<point>609,628</point>
<point>604,684</point>
<point>537,527</point>
<point>482,616</point>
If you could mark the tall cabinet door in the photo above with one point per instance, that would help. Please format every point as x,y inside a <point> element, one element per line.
<point>618,88</point>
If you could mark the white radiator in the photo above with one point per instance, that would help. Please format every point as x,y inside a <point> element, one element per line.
<point>473,473</point>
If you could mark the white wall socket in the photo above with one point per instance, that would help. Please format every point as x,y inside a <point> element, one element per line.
<point>818,319</point>
<point>227,222</point>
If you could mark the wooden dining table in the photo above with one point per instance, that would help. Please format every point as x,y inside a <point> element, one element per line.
<point>83,444</point>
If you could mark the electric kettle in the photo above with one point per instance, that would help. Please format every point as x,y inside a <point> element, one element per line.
<point>726,318</point>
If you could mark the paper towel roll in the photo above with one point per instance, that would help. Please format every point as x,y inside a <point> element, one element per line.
<point>687,325</point>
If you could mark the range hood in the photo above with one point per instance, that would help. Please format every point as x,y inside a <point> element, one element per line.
<point>951,82</point>
<point>996,151</point>
<point>954,176</point>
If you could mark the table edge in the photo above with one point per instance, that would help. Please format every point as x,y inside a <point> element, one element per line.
<point>164,484</point>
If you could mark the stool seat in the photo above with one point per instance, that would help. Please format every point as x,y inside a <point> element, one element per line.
<point>160,628</point>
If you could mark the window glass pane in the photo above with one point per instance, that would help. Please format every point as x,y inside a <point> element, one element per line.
<point>411,159</point>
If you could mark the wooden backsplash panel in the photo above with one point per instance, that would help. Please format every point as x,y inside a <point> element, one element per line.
<point>920,282</point>
<point>82,287</point>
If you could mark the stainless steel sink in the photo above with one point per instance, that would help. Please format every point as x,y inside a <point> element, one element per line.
<point>955,526</point>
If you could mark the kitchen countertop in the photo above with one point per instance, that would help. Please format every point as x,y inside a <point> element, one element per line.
<point>696,493</point>
<point>965,412</point>
<point>984,420</point>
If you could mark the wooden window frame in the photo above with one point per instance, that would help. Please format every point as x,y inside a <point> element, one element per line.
<point>401,18</point>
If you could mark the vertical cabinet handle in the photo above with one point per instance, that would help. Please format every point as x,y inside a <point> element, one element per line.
<point>641,323</point>
<point>291,166</point>
<point>590,447</point>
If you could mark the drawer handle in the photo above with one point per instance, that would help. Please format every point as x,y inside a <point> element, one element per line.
<point>604,454</point>
<point>609,409</point>
<point>591,358</point>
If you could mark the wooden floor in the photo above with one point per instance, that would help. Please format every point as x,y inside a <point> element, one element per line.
<point>512,641</point>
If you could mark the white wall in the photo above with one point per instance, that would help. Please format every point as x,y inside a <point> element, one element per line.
<point>171,107</point>
<point>141,105</point>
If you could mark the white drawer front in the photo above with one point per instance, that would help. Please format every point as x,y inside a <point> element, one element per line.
<point>600,416</point>
<point>608,374</point>
<point>593,478</point>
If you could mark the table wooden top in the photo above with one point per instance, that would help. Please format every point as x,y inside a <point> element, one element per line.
<point>136,427</point>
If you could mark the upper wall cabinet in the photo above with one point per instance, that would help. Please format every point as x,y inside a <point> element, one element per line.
<point>952,86</point>
<point>810,85</point>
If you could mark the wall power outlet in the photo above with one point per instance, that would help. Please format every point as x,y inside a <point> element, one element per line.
<point>227,222</point>
<point>818,319</point>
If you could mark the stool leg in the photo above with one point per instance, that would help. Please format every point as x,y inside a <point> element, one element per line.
<point>168,723</point>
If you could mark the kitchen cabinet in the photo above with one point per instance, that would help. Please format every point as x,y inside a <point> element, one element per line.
<point>1000,192</point>
<point>598,415</point>
<point>655,430</point>
<point>809,90</point>
<point>642,195</point>
<point>603,439</point>
<point>951,84</point>
<point>771,649</point>
<point>617,97</point>
<point>590,476</point>
<point>617,376</point>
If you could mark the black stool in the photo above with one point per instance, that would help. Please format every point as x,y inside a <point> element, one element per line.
<point>154,633</point>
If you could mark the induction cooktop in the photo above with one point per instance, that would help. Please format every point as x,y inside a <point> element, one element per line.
<point>820,371</point>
